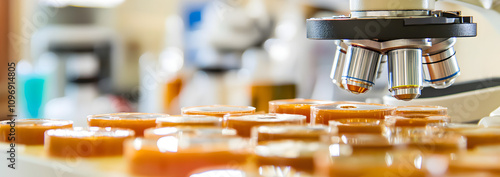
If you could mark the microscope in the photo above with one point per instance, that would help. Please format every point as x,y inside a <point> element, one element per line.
<point>410,36</point>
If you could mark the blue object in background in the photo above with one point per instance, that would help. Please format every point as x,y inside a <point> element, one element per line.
<point>192,15</point>
<point>194,18</point>
<point>31,95</point>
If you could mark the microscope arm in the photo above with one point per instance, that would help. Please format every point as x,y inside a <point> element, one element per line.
<point>487,4</point>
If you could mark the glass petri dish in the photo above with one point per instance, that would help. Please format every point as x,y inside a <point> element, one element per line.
<point>425,110</point>
<point>30,131</point>
<point>189,120</point>
<point>390,163</point>
<point>217,110</point>
<point>295,106</point>
<point>431,141</point>
<point>286,156</point>
<point>415,120</point>
<point>472,163</point>
<point>207,132</point>
<point>134,121</point>
<point>366,143</point>
<point>481,136</point>
<point>86,142</point>
<point>184,156</point>
<point>360,155</point>
<point>243,123</point>
<point>452,127</point>
<point>321,114</point>
<point>290,132</point>
<point>359,125</point>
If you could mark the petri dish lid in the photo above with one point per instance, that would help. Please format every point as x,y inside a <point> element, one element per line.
<point>90,132</point>
<point>415,119</point>
<point>293,129</point>
<point>217,110</point>
<point>267,117</point>
<point>429,110</point>
<point>481,131</point>
<point>38,122</point>
<point>189,143</point>
<point>128,116</point>
<point>299,101</point>
<point>288,149</point>
<point>189,119</point>
<point>352,106</point>
<point>366,141</point>
<point>355,122</point>
<point>188,131</point>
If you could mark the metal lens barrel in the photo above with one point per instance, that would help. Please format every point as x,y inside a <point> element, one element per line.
<point>405,73</point>
<point>360,69</point>
<point>441,69</point>
<point>338,66</point>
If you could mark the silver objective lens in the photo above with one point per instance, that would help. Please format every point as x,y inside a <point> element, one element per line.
<point>360,69</point>
<point>441,69</point>
<point>405,73</point>
<point>338,66</point>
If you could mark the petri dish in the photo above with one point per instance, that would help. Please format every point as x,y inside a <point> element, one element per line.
<point>217,110</point>
<point>430,141</point>
<point>472,163</point>
<point>321,114</point>
<point>392,163</point>
<point>286,156</point>
<point>295,106</point>
<point>134,121</point>
<point>29,131</point>
<point>452,127</point>
<point>189,120</point>
<point>243,124</point>
<point>156,133</point>
<point>415,120</point>
<point>86,142</point>
<point>367,144</point>
<point>291,132</point>
<point>425,110</point>
<point>358,125</point>
<point>360,155</point>
<point>481,136</point>
<point>184,156</point>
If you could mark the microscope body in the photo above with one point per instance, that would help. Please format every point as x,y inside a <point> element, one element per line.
<point>414,40</point>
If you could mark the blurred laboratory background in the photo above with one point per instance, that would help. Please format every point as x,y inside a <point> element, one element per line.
<point>81,57</point>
